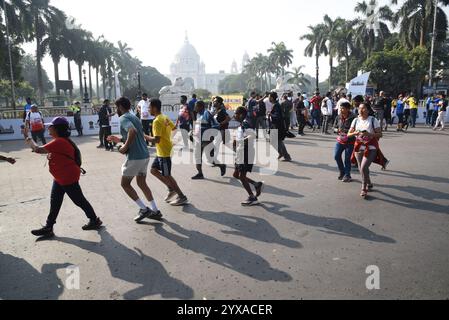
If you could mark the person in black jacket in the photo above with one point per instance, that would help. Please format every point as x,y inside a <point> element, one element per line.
<point>344,143</point>
<point>278,123</point>
<point>104,121</point>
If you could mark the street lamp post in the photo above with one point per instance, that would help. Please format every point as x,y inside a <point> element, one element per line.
<point>8,38</point>
<point>432,50</point>
<point>86,94</point>
<point>139,86</point>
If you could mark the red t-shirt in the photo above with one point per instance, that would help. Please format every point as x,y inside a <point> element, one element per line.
<point>61,159</point>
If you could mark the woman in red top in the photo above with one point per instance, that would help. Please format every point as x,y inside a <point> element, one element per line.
<point>62,154</point>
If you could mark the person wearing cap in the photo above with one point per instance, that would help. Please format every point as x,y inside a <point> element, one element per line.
<point>64,160</point>
<point>104,121</point>
<point>34,121</point>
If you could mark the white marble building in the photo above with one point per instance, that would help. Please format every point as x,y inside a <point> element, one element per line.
<point>188,65</point>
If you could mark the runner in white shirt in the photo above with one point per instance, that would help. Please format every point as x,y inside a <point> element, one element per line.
<point>143,108</point>
<point>35,123</point>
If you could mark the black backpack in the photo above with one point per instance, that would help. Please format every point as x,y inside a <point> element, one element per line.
<point>78,158</point>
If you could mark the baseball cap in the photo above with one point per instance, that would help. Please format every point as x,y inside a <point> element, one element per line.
<point>58,121</point>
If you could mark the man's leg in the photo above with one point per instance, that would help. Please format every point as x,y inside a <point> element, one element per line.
<point>348,155</point>
<point>127,187</point>
<point>146,128</point>
<point>42,137</point>
<point>101,137</point>
<point>246,184</point>
<point>34,136</point>
<point>338,152</point>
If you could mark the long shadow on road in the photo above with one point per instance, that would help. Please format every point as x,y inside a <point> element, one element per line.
<point>19,280</point>
<point>135,267</point>
<point>244,226</point>
<point>336,226</point>
<point>223,253</point>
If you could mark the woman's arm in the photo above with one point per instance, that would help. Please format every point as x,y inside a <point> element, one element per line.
<point>34,147</point>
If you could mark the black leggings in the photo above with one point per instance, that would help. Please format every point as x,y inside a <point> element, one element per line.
<point>75,194</point>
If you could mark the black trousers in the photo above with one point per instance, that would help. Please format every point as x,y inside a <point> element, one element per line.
<point>105,132</point>
<point>148,128</point>
<point>75,194</point>
<point>39,135</point>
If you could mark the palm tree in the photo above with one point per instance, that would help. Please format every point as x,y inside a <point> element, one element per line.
<point>317,46</point>
<point>44,15</point>
<point>81,40</point>
<point>280,55</point>
<point>345,43</point>
<point>330,30</point>
<point>56,43</point>
<point>371,29</point>
<point>299,78</point>
<point>415,19</point>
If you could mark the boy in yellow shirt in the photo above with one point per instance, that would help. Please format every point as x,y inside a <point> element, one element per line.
<point>162,165</point>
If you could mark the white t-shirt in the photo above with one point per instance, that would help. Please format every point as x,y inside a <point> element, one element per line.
<point>339,103</point>
<point>145,110</point>
<point>268,105</point>
<point>366,125</point>
<point>36,121</point>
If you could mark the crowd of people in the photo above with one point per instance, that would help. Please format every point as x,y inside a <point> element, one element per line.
<point>358,123</point>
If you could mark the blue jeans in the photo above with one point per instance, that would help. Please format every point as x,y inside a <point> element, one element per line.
<point>316,118</point>
<point>348,149</point>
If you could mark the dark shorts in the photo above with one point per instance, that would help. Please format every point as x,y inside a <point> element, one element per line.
<point>244,168</point>
<point>163,165</point>
<point>400,118</point>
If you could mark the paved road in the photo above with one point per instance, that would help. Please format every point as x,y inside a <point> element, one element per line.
<point>312,237</point>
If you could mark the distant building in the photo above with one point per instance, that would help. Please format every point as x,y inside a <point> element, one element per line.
<point>188,65</point>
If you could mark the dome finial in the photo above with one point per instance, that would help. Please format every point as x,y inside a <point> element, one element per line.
<point>187,37</point>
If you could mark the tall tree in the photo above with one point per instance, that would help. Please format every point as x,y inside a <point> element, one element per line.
<point>280,55</point>
<point>44,15</point>
<point>372,29</point>
<point>415,19</point>
<point>299,78</point>
<point>330,31</point>
<point>317,46</point>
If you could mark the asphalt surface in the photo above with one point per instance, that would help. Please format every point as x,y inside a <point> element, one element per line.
<point>311,238</point>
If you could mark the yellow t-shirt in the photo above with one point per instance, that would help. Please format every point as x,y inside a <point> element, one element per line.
<point>163,127</point>
<point>412,103</point>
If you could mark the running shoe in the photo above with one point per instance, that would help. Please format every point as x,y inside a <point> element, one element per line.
<point>180,201</point>
<point>170,196</point>
<point>46,232</point>
<point>155,216</point>
<point>252,201</point>
<point>143,214</point>
<point>93,225</point>
<point>259,189</point>
<point>347,179</point>
<point>223,170</point>
<point>199,176</point>
<point>385,167</point>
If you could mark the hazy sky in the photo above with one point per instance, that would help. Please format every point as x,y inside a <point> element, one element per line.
<point>221,30</point>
